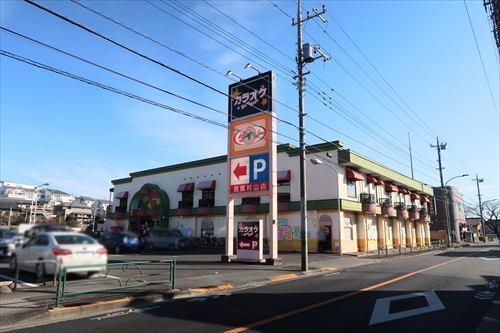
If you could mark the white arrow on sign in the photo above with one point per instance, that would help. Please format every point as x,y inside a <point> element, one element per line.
<point>243,244</point>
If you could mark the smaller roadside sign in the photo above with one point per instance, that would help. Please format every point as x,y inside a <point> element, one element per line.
<point>249,240</point>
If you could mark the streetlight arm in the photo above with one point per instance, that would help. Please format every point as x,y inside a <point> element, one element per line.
<point>464,175</point>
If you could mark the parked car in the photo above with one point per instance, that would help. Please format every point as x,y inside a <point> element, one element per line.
<point>38,228</point>
<point>69,249</point>
<point>163,238</point>
<point>8,242</point>
<point>119,242</point>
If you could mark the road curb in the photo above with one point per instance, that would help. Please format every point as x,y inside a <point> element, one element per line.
<point>204,290</point>
<point>47,316</point>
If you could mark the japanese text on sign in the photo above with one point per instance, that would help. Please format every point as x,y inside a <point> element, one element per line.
<point>249,235</point>
<point>250,96</point>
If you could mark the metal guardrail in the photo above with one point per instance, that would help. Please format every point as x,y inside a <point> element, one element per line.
<point>385,251</point>
<point>139,279</point>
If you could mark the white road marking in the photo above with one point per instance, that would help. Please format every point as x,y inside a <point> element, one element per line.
<point>489,258</point>
<point>492,284</point>
<point>110,276</point>
<point>496,302</point>
<point>483,298</point>
<point>485,294</point>
<point>126,312</point>
<point>198,299</point>
<point>19,281</point>
<point>332,274</point>
<point>381,313</point>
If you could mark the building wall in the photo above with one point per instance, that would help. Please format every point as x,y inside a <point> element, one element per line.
<point>351,230</point>
<point>455,210</point>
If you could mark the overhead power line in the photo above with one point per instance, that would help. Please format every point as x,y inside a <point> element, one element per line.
<point>239,41</point>
<point>481,58</point>
<point>424,123</point>
<point>372,65</point>
<point>123,46</point>
<point>141,55</point>
<point>310,148</point>
<point>109,69</point>
<point>107,87</point>
<point>210,26</point>
<point>455,155</point>
<point>170,48</point>
<point>248,30</point>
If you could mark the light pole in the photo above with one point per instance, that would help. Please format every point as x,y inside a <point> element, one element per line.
<point>446,213</point>
<point>480,180</point>
<point>317,161</point>
<point>35,200</point>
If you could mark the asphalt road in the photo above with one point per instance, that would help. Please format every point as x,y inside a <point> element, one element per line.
<point>449,291</point>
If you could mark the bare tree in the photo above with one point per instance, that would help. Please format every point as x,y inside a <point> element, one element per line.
<point>491,214</point>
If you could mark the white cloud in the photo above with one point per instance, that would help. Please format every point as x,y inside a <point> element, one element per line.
<point>182,138</point>
<point>78,177</point>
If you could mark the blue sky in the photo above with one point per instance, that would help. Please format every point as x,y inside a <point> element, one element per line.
<point>78,137</point>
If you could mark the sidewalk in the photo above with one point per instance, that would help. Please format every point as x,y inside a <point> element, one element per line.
<point>197,274</point>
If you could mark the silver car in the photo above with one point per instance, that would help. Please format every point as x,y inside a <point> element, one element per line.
<point>8,242</point>
<point>164,238</point>
<point>46,252</point>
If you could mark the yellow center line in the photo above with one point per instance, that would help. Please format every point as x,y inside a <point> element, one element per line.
<point>338,298</point>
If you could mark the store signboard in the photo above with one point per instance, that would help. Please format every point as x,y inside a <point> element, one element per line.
<point>250,244</point>
<point>249,174</point>
<point>250,135</point>
<point>251,96</point>
<point>251,162</point>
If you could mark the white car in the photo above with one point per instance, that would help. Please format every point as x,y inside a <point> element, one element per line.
<point>76,252</point>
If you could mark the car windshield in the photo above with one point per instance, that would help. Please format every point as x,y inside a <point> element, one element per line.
<point>73,239</point>
<point>6,234</point>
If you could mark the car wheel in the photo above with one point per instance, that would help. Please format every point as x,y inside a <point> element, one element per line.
<point>117,249</point>
<point>13,263</point>
<point>39,271</point>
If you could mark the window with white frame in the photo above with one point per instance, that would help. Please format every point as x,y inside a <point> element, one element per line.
<point>348,228</point>
<point>351,188</point>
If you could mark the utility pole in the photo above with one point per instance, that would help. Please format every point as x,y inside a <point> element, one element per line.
<point>442,146</point>
<point>304,55</point>
<point>411,157</point>
<point>480,180</point>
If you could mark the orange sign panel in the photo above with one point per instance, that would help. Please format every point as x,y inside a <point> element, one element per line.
<point>250,135</point>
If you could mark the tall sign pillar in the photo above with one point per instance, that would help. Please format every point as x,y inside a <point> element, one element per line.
<point>252,166</point>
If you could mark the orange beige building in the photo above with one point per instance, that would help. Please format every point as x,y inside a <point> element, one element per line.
<point>355,204</point>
